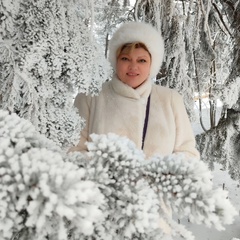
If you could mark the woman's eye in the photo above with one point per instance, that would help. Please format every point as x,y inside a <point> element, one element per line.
<point>142,60</point>
<point>124,58</point>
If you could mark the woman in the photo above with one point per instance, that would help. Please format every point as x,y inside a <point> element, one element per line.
<point>153,117</point>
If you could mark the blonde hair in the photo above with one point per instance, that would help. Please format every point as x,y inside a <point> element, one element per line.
<point>129,47</point>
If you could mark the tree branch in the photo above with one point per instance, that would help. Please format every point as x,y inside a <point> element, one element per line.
<point>221,18</point>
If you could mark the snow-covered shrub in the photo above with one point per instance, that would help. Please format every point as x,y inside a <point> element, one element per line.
<point>132,209</point>
<point>41,194</point>
<point>186,186</point>
<point>183,184</point>
<point>109,193</point>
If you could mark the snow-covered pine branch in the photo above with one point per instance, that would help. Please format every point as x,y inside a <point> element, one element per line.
<point>132,209</point>
<point>109,193</point>
<point>41,194</point>
<point>185,184</point>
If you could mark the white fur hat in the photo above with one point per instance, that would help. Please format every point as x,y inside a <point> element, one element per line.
<point>138,32</point>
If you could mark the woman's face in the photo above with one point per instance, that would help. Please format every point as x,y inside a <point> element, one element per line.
<point>133,67</point>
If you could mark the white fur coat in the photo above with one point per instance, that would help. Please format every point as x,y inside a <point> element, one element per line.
<point>121,110</point>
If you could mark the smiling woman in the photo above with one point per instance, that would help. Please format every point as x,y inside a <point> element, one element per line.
<point>130,105</point>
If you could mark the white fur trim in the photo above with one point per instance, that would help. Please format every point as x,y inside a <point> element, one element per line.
<point>142,32</point>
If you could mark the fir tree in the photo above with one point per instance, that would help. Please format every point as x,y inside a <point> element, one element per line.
<point>48,54</point>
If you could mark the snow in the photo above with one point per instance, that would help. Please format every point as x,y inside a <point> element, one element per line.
<point>221,179</point>
<point>202,232</point>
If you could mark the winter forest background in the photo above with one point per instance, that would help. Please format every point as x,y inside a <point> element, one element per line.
<point>52,49</point>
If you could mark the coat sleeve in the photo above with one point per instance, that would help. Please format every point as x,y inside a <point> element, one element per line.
<point>82,103</point>
<point>185,139</point>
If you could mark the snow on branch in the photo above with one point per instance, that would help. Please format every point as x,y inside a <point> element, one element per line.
<point>111,192</point>
<point>47,54</point>
<point>133,207</point>
<point>185,185</point>
<point>41,194</point>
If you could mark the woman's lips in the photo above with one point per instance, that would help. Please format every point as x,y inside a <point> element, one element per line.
<point>132,74</point>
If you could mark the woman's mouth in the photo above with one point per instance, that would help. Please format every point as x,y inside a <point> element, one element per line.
<point>132,74</point>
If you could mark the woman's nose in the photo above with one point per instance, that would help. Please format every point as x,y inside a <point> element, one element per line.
<point>132,65</point>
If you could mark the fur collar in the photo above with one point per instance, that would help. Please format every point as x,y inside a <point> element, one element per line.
<point>124,90</point>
